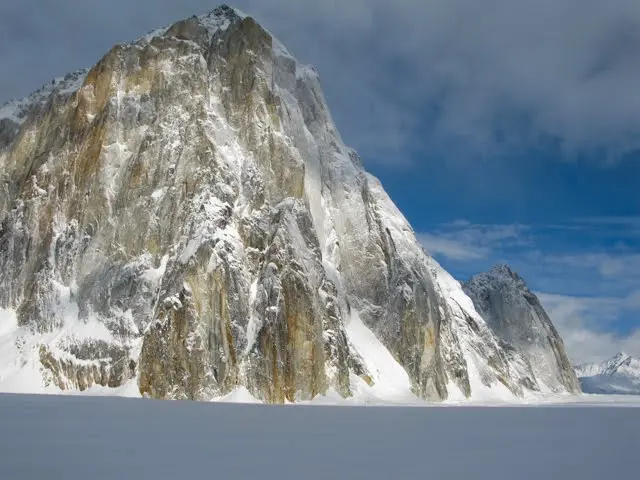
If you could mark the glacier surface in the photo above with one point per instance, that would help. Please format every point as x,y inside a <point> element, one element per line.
<point>106,438</point>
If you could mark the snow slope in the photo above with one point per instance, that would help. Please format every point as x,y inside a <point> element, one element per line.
<point>17,111</point>
<point>618,375</point>
<point>391,382</point>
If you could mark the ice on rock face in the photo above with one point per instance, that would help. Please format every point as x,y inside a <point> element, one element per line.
<point>203,210</point>
<point>16,112</point>
<point>217,20</point>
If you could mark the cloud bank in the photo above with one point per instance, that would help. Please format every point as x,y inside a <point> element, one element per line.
<point>582,323</point>
<point>403,76</point>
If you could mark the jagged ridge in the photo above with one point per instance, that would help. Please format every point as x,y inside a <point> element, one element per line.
<point>617,375</point>
<point>193,207</point>
<point>516,316</point>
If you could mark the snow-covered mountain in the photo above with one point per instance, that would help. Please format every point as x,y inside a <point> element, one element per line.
<point>618,375</point>
<point>515,315</point>
<point>14,113</point>
<point>185,216</point>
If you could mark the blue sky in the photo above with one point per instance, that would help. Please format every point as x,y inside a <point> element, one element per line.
<point>505,130</point>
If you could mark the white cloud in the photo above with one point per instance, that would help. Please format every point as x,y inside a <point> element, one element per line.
<point>583,324</point>
<point>623,268</point>
<point>461,240</point>
<point>400,73</point>
<point>532,70</point>
<point>456,250</point>
<point>630,221</point>
<point>633,300</point>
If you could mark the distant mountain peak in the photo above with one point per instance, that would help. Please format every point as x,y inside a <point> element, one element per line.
<point>499,276</point>
<point>516,316</point>
<point>619,374</point>
<point>503,269</point>
<point>621,356</point>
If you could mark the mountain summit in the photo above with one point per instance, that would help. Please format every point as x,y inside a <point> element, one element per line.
<point>617,375</point>
<point>515,315</point>
<point>185,217</point>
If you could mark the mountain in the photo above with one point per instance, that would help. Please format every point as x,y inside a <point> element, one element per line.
<point>618,375</point>
<point>514,314</point>
<point>185,217</point>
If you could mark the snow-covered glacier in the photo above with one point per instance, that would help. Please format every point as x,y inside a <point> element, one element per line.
<point>183,220</point>
<point>106,438</point>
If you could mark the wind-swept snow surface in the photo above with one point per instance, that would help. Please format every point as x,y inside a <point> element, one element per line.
<point>106,438</point>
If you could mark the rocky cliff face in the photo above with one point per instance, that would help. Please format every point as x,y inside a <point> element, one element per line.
<point>515,316</point>
<point>186,214</point>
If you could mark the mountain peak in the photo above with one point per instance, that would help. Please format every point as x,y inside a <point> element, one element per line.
<point>218,19</point>
<point>228,10</point>
<point>225,11</point>
<point>500,274</point>
<point>502,267</point>
<point>619,374</point>
<point>516,316</point>
<point>505,270</point>
<point>620,356</point>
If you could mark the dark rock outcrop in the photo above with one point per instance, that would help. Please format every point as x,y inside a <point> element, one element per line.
<point>516,316</point>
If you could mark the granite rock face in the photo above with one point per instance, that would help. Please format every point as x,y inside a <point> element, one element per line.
<point>516,317</point>
<point>189,205</point>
